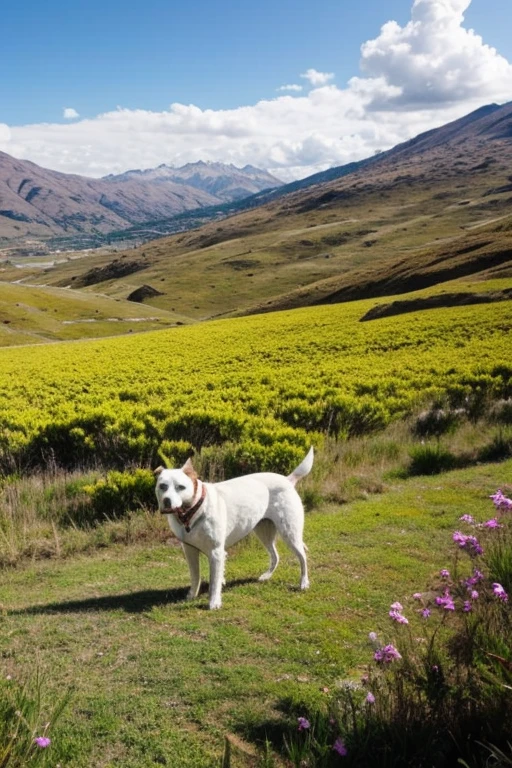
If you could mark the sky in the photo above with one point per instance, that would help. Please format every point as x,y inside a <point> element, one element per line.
<point>290,86</point>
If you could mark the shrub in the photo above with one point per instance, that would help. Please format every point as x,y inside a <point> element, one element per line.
<point>430,460</point>
<point>437,421</point>
<point>118,494</point>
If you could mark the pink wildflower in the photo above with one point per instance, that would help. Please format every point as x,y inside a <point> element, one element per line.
<point>304,724</point>
<point>446,601</point>
<point>397,616</point>
<point>492,523</point>
<point>500,592</point>
<point>340,747</point>
<point>42,741</point>
<point>477,576</point>
<point>387,654</point>
<point>500,501</point>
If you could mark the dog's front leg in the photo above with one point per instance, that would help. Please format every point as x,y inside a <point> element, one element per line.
<point>217,559</point>
<point>192,556</point>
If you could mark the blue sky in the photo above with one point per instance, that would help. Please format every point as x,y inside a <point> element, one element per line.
<point>226,66</point>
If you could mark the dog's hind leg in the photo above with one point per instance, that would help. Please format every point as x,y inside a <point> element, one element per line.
<point>266,532</point>
<point>298,547</point>
<point>217,558</point>
<point>192,557</point>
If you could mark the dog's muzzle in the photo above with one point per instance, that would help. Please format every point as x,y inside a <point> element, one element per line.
<point>168,508</point>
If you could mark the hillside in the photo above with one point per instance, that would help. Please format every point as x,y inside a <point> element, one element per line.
<point>428,212</point>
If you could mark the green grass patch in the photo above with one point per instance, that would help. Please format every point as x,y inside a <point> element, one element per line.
<point>157,680</point>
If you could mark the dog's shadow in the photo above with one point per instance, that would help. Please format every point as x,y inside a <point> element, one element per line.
<point>130,602</point>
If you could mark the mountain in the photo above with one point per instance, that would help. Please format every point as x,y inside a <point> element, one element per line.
<point>38,203</point>
<point>224,182</point>
<point>433,211</point>
<point>492,121</point>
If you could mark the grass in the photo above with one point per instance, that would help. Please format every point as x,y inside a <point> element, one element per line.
<point>32,315</point>
<point>156,680</point>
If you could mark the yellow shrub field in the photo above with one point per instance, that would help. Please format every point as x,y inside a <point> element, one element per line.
<point>264,387</point>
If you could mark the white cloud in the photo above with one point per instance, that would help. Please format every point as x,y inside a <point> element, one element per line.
<point>317,78</point>
<point>69,113</point>
<point>416,77</point>
<point>433,60</point>
<point>292,87</point>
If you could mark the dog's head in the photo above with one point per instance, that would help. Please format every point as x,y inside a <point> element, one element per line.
<point>175,488</point>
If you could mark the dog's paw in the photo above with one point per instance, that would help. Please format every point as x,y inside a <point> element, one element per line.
<point>191,595</point>
<point>304,584</point>
<point>265,576</point>
<point>215,605</point>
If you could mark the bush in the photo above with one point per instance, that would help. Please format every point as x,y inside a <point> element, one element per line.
<point>431,460</point>
<point>118,494</point>
<point>437,421</point>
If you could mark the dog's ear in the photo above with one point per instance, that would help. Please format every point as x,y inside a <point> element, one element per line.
<point>188,469</point>
<point>157,471</point>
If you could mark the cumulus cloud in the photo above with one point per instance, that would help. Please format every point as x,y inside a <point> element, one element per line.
<point>292,87</point>
<point>433,60</point>
<point>317,78</point>
<point>69,113</point>
<point>413,78</point>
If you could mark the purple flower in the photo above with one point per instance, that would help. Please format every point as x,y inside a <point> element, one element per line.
<point>500,501</point>
<point>387,654</point>
<point>446,602</point>
<point>467,606</point>
<point>469,543</point>
<point>418,596</point>
<point>477,576</point>
<point>370,698</point>
<point>425,613</point>
<point>499,592</point>
<point>396,606</point>
<point>304,724</point>
<point>445,573</point>
<point>397,616</point>
<point>42,741</point>
<point>474,595</point>
<point>340,747</point>
<point>467,519</point>
<point>492,523</point>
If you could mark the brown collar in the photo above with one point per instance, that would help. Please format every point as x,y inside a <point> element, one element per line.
<point>185,515</point>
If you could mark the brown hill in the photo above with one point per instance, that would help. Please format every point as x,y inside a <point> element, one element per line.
<point>36,202</point>
<point>429,211</point>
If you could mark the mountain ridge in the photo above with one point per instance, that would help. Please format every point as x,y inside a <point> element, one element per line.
<point>36,202</point>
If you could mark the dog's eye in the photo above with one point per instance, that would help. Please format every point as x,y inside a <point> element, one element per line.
<point>180,487</point>
<point>163,486</point>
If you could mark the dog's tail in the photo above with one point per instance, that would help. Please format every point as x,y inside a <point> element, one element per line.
<point>303,469</point>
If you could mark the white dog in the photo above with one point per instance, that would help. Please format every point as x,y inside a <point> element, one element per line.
<point>209,517</point>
